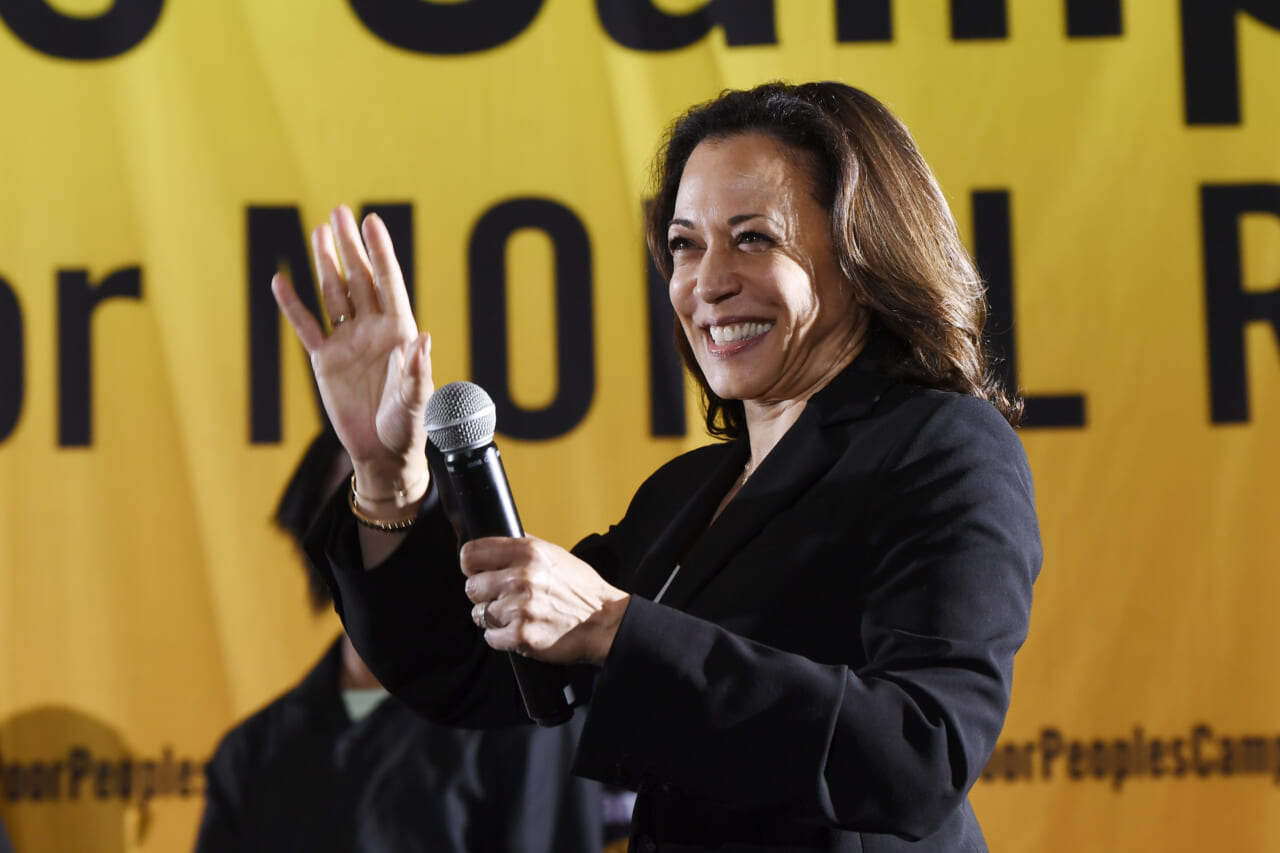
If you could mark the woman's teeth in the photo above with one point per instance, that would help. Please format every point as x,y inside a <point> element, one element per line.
<point>738,332</point>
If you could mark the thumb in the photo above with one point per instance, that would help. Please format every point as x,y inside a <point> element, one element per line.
<point>404,396</point>
<point>416,385</point>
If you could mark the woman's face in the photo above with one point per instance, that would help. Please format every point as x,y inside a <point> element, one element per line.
<point>755,281</point>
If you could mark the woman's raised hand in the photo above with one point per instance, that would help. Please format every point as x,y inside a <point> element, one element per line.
<point>373,368</point>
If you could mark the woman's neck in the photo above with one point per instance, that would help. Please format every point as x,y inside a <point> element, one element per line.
<point>767,424</point>
<point>768,420</point>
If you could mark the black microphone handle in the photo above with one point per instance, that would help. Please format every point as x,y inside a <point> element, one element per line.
<point>486,508</point>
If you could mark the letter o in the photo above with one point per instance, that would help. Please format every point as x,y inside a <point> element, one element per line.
<point>117,30</point>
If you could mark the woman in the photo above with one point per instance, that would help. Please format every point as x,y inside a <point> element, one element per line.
<point>800,638</point>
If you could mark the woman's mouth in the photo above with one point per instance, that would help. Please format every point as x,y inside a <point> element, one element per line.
<point>733,333</point>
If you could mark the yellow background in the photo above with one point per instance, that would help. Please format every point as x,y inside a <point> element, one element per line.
<point>144,593</point>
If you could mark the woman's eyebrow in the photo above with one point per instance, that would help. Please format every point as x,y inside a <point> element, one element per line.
<point>736,219</point>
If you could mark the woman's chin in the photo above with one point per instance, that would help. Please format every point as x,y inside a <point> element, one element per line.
<point>733,388</point>
<point>740,376</point>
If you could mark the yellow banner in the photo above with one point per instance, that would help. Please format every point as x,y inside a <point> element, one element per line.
<point>1113,165</point>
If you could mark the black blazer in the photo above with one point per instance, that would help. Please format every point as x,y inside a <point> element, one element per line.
<point>829,668</point>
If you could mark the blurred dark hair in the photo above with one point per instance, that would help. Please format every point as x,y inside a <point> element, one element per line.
<point>304,496</point>
<point>891,228</point>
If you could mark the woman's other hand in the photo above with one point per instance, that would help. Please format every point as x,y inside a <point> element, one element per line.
<point>373,368</point>
<point>537,599</point>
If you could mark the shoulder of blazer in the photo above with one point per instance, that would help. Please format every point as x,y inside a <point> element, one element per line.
<point>946,437</point>
<point>675,476</point>
<point>954,417</point>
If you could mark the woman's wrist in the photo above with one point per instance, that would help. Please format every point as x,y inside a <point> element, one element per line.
<point>609,619</point>
<point>401,480</point>
<point>382,497</point>
<point>386,510</point>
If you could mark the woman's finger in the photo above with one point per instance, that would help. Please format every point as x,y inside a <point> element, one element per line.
<point>355,262</point>
<point>487,615</point>
<point>333,286</point>
<point>504,631</point>
<point>487,586</point>
<point>304,325</point>
<point>390,286</point>
<point>492,553</point>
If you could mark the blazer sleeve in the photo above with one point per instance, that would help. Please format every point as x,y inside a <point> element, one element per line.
<point>893,742</point>
<point>410,619</point>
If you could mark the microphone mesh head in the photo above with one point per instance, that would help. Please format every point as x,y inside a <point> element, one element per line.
<point>460,415</point>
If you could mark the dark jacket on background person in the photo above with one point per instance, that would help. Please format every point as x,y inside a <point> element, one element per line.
<point>301,775</point>
<point>831,664</point>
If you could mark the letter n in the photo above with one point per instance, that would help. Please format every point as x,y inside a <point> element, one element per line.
<point>1210,56</point>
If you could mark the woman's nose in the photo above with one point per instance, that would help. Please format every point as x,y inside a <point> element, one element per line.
<point>717,278</point>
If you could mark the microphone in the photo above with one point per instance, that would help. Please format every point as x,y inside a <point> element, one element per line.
<point>460,421</point>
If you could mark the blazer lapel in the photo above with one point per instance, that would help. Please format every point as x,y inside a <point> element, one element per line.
<point>687,523</point>
<point>799,459</point>
<point>805,453</point>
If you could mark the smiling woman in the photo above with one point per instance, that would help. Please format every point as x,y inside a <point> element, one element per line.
<point>800,638</point>
<point>762,303</point>
<point>872,208</point>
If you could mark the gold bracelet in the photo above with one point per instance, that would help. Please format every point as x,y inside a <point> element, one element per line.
<point>376,524</point>
<point>400,493</point>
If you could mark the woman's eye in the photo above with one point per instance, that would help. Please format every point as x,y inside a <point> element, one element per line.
<point>753,237</point>
<point>675,244</point>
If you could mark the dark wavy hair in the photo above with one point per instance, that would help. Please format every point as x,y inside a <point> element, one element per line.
<point>304,497</point>
<point>891,228</point>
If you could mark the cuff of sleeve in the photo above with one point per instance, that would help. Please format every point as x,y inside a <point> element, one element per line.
<point>603,751</point>
<point>395,610</point>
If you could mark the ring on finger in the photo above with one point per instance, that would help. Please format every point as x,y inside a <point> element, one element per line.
<point>484,615</point>
<point>339,320</point>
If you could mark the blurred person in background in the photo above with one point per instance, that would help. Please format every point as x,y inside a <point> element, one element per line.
<point>337,764</point>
